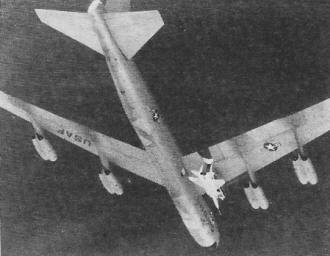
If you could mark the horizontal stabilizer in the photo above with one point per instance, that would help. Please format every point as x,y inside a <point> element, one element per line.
<point>131,30</point>
<point>76,25</point>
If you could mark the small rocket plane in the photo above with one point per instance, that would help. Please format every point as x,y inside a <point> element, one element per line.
<point>113,30</point>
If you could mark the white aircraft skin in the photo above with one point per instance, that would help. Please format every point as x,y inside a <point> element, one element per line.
<point>118,34</point>
<point>139,104</point>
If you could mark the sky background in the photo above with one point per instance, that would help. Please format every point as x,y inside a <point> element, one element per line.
<point>217,69</point>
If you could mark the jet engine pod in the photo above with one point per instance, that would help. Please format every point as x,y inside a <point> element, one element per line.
<point>304,170</point>
<point>44,148</point>
<point>110,182</point>
<point>256,196</point>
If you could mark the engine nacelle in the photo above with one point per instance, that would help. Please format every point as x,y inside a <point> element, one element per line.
<point>44,148</point>
<point>304,170</point>
<point>110,182</point>
<point>256,196</point>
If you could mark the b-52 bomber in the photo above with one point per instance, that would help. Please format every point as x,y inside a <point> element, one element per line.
<point>113,30</point>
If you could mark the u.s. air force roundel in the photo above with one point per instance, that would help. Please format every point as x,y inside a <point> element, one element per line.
<point>271,146</point>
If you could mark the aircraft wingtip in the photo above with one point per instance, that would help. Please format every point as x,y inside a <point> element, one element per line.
<point>40,13</point>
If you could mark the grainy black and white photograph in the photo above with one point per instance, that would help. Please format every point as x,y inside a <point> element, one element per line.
<point>149,127</point>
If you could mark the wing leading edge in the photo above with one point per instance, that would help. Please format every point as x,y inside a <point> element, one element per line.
<point>255,149</point>
<point>121,154</point>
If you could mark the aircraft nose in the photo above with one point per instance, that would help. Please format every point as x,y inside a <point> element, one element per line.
<point>210,239</point>
<point>212,243</point>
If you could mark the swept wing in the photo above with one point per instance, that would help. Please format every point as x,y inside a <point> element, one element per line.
<point>121,154</point>
<point>255,149</point>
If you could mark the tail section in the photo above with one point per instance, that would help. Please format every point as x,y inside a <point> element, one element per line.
<point>131,30</point>
<point>76,25</point>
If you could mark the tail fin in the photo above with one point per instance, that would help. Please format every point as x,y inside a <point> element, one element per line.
<point>131,30</point>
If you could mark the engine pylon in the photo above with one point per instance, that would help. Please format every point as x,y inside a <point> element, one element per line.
<point>256,196</point>
<point>305,171</point>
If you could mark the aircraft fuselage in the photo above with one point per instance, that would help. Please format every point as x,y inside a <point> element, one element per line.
<point>140,108</point>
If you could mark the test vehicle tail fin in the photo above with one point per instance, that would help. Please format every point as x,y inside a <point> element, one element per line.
<point>131,30</point>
